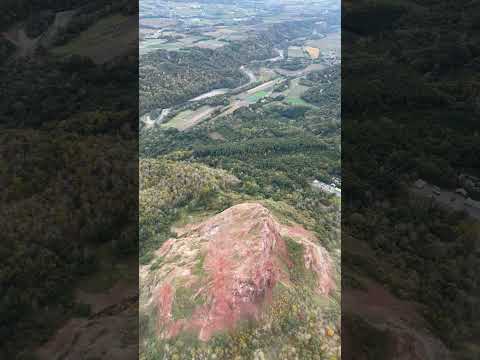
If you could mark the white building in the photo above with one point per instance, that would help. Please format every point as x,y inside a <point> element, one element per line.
<point>420,184</point>
<point>329,189</point>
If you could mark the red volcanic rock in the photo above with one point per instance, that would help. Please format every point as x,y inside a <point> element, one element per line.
<point>163,302</point>
<point>243,251</point>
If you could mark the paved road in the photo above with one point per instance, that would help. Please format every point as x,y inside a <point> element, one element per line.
<point>448,199</point>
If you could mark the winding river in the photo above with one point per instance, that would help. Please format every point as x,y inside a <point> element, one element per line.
<point>149,122</point>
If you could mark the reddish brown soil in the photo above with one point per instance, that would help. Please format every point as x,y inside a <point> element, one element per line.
<point>244,258</point>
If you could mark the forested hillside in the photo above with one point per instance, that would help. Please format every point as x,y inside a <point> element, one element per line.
<point>169,77</point>
<point>267,154</point>
<point>28,103</point>
<point>326,87</point>
<point>165,187</point>
<point>410,111</point>
<point>278,154</point>
<point>68,178</point>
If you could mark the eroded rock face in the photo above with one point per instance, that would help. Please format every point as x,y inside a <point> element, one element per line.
<point>224,270</point>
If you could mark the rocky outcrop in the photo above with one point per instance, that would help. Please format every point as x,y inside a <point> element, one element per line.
<point>224,270</point>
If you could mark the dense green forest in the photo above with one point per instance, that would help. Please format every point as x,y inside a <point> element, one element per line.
<point>165,187</point>
<point>38,92</point>
<point>168,78</point>
<point>50,193</point>
<point>325,88</point>
<point>410,111</point>
<point>274,158</point>
<point>65,215</point>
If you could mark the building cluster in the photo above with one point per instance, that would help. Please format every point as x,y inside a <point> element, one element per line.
<point>329,189</point>
<point>460,192</point>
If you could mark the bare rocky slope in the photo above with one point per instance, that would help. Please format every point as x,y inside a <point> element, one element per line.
<point>224,270</point>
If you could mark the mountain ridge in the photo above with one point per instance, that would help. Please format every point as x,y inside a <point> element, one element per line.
<point>225,269</point>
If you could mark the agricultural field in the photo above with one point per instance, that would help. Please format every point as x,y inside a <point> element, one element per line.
<point>296,101</point>
<point>157,23</point>
<point>155,44</point>
<point>257,96</point>
<point>163,37</point>
<point>118,31</point>
<point>232,33</point>
<point>296,52</point>
<point>266,86</point>
<point>183,42</point>
<point>293,95</point>
<point>209,44</point>
<point>188,118</point>
<point>331,42</point>
<point>313,52</point>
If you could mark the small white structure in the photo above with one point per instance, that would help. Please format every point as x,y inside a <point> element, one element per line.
<point>420,184</point>
<point>329,189</point>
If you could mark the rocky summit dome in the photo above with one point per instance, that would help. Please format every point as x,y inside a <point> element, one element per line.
<point>224,269</point>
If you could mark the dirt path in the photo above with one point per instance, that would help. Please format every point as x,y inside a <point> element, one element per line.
<point>184,122</point>
<point>198,117</point>
<point>263,86</point>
